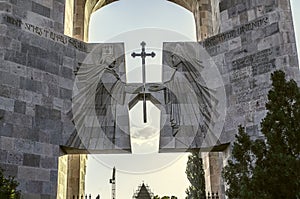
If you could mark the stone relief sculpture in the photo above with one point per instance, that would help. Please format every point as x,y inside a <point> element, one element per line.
<point>190,68</point>
<point>191,100</point>
<point>188,101</point>
<point>99,101</point>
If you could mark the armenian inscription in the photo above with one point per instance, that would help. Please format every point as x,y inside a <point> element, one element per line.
<point>46,33</point>
<point>245,69</point>
<point>215,40</point>
<point>254,59</point>
<point>252,65</point>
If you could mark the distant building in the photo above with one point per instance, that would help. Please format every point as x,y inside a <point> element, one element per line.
<point>143,192</point>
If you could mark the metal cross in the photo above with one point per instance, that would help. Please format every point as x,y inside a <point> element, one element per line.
<point>143,55</point>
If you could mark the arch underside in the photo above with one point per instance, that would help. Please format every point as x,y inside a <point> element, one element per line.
<point>202,10</point>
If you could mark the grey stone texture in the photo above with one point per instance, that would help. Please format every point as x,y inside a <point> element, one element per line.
<point>247,40</point>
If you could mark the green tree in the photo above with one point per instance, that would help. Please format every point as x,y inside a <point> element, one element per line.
<point>8,187</point>
<point>269,169</point>
<point>238,172</point>
<point>195,175</point>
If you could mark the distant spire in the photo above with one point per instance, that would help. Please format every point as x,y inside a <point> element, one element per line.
<point>113,182</point>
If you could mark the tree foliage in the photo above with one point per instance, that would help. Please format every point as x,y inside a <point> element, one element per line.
<point>195,175</point>
<point>8,187</point>
<point>269,168</point>
<point>165,197</point>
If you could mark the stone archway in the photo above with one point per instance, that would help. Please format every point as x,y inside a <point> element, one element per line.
<point>38,63</point>
<point>78,13</point>
<point>206,15</point>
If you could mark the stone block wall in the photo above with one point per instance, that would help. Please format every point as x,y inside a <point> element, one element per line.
<point>246,55</point>
<point>37,72</point>
<point>257,38</point>
<point>43,13</point>
<point>37,67</point>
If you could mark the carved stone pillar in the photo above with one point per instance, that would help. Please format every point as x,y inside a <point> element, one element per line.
<point>212,165</point>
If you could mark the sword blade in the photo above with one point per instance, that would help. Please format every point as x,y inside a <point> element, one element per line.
<point>145,108</point>
<point>144,85</point>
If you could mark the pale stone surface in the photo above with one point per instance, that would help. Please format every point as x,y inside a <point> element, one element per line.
<point>71,176</point>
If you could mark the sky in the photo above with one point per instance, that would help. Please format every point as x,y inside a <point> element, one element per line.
<point>295,4</point>
<point>155,21</point>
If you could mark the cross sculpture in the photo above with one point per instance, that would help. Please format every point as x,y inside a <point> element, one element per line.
<point>143,55</point>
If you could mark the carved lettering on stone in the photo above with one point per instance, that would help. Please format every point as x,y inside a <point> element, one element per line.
<point>215,40</point>
<point>252,65</point>
<point>46,33</point>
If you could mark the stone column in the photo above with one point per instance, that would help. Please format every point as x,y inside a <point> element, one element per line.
<point>206,13</point>
<point>212,165</point>
<point>78,24</point>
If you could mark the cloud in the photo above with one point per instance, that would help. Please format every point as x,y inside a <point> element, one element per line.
<point>144,140</point>
<point>144,133</point>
